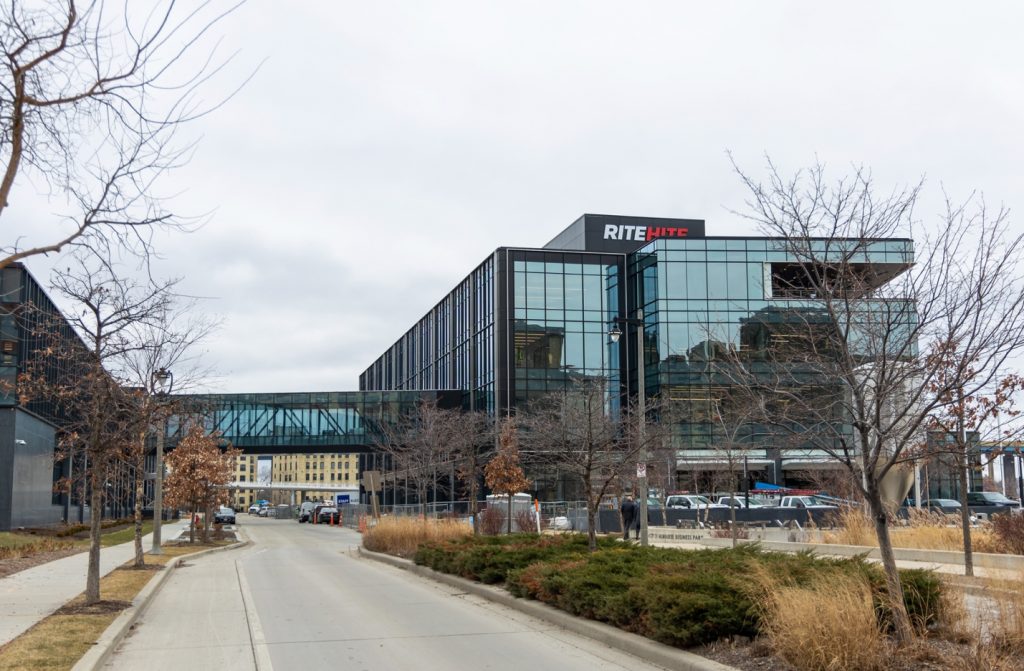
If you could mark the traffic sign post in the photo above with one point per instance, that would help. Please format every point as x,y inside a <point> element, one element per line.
<point>371,481</point>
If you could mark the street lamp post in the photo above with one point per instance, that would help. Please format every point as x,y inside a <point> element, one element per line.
<point>641,468</point>
<point>163,380</point>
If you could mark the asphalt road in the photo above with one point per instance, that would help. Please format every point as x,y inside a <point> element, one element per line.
<point>301,598</point>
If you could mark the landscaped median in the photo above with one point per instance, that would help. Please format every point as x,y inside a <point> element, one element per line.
<point>746,607</point>
<point>80,637</point>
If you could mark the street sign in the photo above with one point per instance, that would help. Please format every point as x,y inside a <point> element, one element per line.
<point>342,498</point>
<point>371,481</point>
<point>641,470</point>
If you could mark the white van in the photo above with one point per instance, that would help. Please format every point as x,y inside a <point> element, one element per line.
<point>306,511</point>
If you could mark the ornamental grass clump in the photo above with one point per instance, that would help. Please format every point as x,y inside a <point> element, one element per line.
<point>402,536</point>
<point>924,530</point>
<point>827,624</point>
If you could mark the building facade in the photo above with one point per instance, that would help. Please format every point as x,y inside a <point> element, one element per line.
<point>29,468</point>
<point>530,321</point>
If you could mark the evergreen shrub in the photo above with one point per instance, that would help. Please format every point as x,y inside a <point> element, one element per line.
<point>681,598</point>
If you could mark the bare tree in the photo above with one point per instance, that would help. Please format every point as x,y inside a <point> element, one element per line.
<point>962,421</point>
<point>847,353</point>
<point>420,445</point>
<point>469,446</point>
<point>735,415</point>
<point>574,434</point>
<point>103,409</point>
<point>100,414</point>
<point>166,342</point>
<point>92,96</point>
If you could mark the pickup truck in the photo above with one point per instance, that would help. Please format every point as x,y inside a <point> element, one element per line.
<point>690,501</point>
<point>805,502</point>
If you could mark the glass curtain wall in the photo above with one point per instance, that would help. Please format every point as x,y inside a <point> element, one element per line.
<point>705,298</point>
<point>451,347</point>
<point>562,304</point>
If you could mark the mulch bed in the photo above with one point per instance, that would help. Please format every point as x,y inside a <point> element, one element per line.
<point>745,655</point>
<point>101,607</point>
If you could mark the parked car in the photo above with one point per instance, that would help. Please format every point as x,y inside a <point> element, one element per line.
<point>264,511</point>
<point>690,501</point>
<point>328,515</point>
<point>254,509</point>
<point>224,516</point>
<point>939,504</point>
<point>990,499</point>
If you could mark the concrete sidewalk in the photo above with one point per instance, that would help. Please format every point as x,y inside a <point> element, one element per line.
<point>29,596</point>
<point>199,620</point>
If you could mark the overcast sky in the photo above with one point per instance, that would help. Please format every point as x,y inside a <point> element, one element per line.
<point>384,149</point>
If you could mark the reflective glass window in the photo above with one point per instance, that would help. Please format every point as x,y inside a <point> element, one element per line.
<point>696,281</point>
<point>718,284</point>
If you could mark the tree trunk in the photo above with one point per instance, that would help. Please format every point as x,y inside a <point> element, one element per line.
<point>510,513</point>
<point>206,524</point>
<point>192,522</point>
<point>92,576</point>
<point>900,618</point>
<point>473,493</point>
<point>965,514</point>
<point>591,527</point>
<point>140,482</point>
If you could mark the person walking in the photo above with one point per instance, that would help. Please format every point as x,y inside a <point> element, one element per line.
<point>628,510</point>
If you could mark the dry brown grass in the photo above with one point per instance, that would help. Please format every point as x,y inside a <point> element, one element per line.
<point>55,643</point>
<point>59,641</point>
<point>1003,623</point>
<point>402,536</point>
<point>853,528</point>
<point>989,635</point>
<point>829,625</point>
<point>925,531</point>
<point>34,546</point>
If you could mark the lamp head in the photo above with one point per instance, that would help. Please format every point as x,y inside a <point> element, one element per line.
<point>163,380</point>
<point>615,333</point>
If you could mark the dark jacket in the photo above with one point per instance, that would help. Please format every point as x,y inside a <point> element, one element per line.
<point>628,510</point>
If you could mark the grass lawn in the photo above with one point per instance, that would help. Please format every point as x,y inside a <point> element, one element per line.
<point>59,641</point>
<point>26,545</point>
<point>123,535</point>
<point>9,540</point>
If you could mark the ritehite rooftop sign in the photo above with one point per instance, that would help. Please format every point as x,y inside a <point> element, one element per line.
<point>622,235</point>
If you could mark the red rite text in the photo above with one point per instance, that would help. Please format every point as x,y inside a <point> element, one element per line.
<point>613,232</point>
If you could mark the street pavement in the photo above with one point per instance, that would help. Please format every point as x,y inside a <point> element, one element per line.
<point>29,596</point>
<point>300,597</point>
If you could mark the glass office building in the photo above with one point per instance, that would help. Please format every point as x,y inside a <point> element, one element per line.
<point>530,321</point>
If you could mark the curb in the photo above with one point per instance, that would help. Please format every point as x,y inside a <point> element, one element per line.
<point>633,644</point>
<point>96,656</point>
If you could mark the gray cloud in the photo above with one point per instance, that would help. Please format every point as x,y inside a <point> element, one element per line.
<point>384,149</point>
